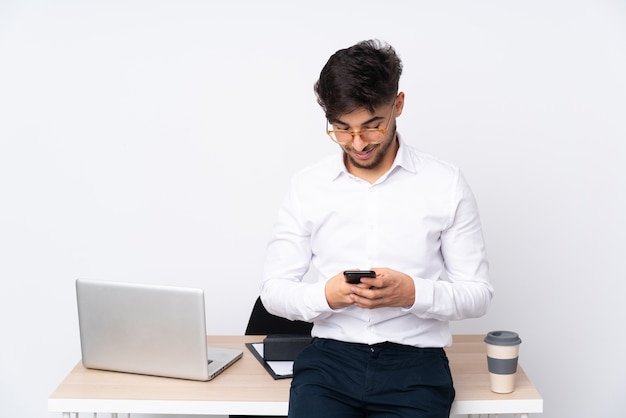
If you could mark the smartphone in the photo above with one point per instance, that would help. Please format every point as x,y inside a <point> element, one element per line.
<point>354,276</point>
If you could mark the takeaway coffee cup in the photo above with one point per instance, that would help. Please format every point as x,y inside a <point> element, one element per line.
<point>502,354</point>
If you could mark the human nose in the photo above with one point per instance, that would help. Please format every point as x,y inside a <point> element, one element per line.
<point>357,142</point>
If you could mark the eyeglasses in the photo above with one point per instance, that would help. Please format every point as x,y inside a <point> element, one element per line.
<point>373,135</point>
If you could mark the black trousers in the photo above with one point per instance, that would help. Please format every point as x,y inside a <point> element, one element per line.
<point>337,379</point>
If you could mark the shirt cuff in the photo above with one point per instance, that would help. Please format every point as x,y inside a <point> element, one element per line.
<point>424,296</point>
<point>318,302</point>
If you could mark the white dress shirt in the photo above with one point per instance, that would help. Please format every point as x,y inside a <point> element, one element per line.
<point>420,218</point>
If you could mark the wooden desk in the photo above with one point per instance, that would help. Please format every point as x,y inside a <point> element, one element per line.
<point>247,389</point>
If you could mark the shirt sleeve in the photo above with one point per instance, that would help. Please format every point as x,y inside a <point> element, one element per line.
<point>466,292</point>
<point>283,291</point>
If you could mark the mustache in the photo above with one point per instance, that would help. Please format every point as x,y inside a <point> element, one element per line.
<point>366,149</point>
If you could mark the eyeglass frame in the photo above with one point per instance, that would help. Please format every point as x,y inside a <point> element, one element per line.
<point>355,133</point>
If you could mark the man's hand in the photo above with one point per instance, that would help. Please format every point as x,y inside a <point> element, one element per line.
<point>338,291</point>
<point>390,288</point>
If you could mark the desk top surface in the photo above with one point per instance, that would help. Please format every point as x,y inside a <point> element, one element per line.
<point>247,381</point>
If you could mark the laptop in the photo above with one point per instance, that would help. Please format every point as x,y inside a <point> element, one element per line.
<point>147,329</point>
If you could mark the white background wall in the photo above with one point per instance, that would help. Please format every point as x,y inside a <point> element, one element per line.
<point>151,141</point>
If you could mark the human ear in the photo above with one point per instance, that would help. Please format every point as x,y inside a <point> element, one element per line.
<point>399,104</point>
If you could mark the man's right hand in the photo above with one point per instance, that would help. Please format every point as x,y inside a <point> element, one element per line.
<point>338,291</point>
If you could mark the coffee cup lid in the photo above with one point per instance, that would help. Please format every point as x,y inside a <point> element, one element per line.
<point>503,338</point>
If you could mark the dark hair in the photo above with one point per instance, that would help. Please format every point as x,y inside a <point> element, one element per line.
<point>363,76</point>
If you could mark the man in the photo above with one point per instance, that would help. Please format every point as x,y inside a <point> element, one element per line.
<point>384,206</point>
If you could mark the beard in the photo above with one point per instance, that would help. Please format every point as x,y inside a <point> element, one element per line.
<point>383,149</point>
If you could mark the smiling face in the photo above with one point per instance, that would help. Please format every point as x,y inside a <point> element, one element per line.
<point>365,159</point>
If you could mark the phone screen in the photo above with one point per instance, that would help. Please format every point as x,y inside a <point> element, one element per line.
<point>354,276</point>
